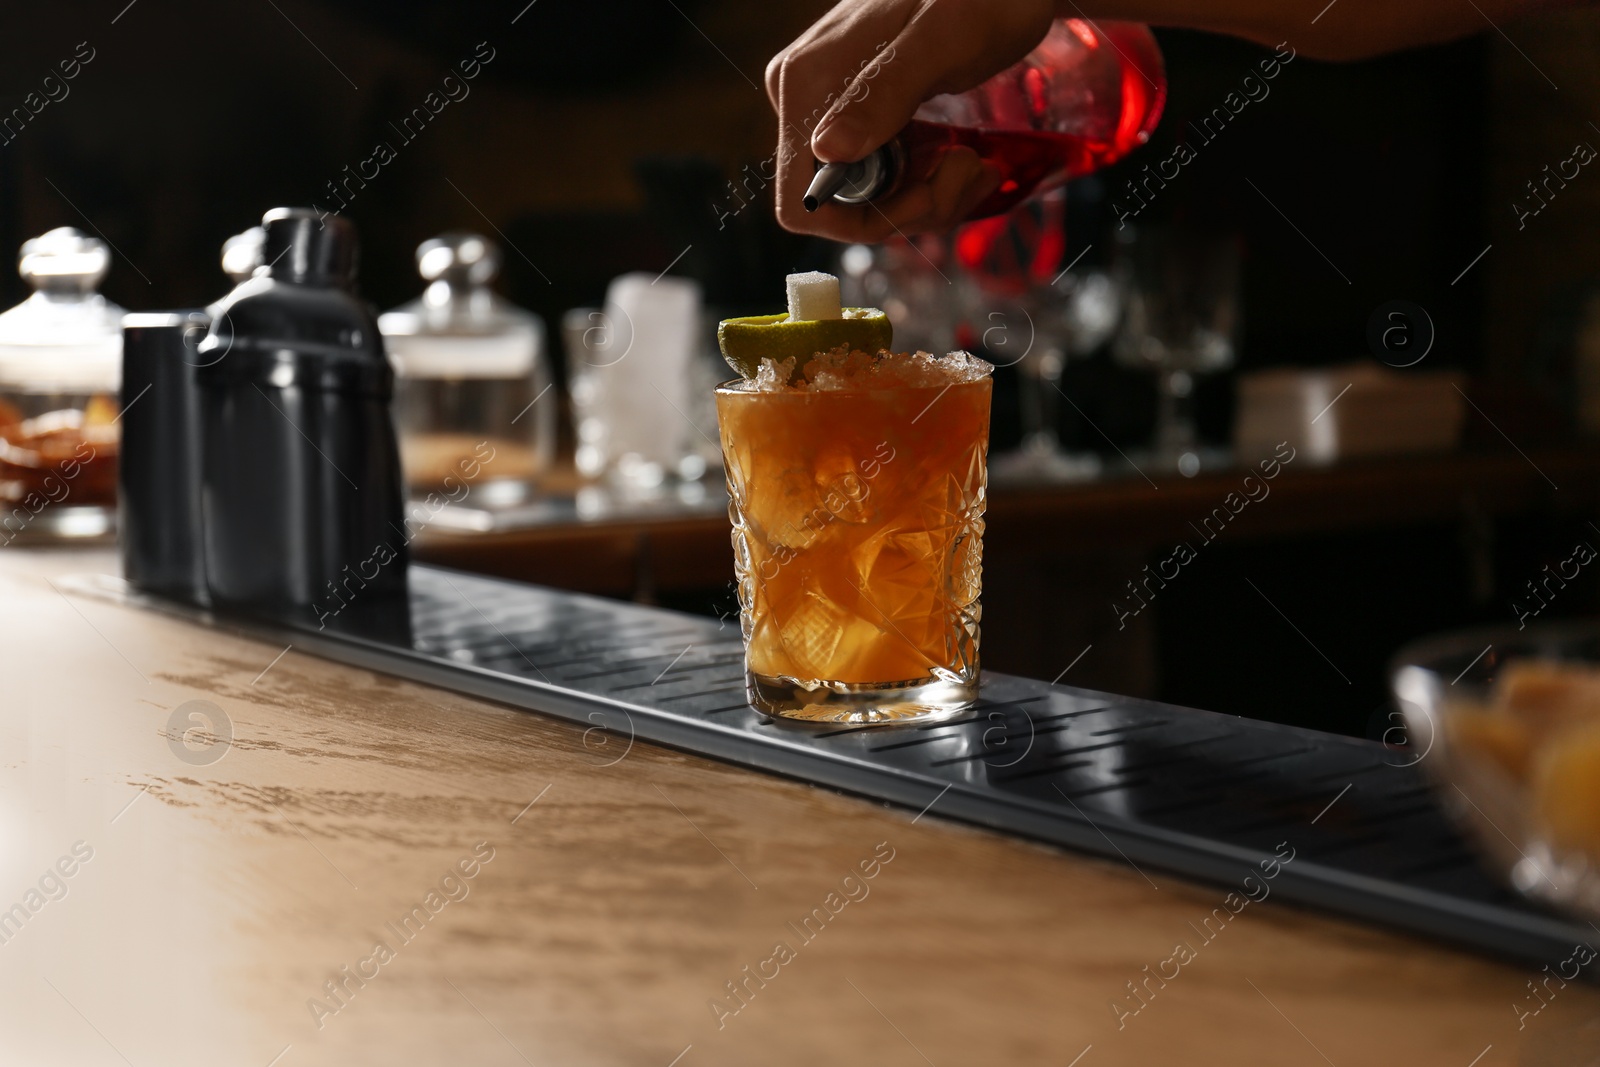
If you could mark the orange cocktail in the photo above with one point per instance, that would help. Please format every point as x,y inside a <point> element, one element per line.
<point>857,504</point>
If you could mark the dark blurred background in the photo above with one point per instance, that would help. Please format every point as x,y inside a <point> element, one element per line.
<point>589,135</point>
<point>599,135</point>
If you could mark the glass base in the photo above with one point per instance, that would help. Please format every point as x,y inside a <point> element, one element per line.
<point>80,524</point>
<point>931,700</point>
<point>1186,460</point>
<point>1050,464</point>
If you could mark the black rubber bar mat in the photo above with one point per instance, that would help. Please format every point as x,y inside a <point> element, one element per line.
<point>1161,788</point>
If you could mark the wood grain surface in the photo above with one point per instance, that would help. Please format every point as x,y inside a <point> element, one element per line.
<point>615,889</point>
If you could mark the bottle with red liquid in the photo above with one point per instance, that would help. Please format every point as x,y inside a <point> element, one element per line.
<point>1088,95</point>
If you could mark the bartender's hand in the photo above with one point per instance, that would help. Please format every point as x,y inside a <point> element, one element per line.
<point>851,81</point>
<point>854,79</point>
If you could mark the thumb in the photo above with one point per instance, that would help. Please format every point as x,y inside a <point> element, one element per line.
<point>880,100</point>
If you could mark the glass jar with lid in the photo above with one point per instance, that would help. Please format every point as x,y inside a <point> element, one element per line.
<point>473,403</point>
<point>60,369</point>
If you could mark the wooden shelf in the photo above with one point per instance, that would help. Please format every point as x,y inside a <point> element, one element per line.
<point>1123,515</point>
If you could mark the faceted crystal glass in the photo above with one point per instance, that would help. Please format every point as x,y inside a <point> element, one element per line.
<point>858,545</point>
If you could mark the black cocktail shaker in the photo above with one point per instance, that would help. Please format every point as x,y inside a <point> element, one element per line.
<point>301,492</point>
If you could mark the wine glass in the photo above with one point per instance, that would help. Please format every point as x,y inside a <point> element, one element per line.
<point>1182,289</point>
<point>1072,316</point>
<point>1034,316</point>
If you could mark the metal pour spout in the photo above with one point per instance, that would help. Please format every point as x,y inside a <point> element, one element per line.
<point>829,179</point>
<point>856,183</point>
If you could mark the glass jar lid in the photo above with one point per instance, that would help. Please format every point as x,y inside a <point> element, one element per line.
<point>66,337</point>
<point>459,327</point>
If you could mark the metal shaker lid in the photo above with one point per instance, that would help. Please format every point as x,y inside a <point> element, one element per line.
<point>309,247</point>
<point>241,254</point>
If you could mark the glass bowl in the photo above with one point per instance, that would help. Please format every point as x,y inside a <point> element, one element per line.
<point>1439,684</point>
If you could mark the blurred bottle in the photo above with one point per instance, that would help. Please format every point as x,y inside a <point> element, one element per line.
<point>1088,95</point>
<point>60,369</point>
<point>473,377</point>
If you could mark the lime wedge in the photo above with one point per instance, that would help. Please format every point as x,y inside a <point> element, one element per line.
<point>746,342</point>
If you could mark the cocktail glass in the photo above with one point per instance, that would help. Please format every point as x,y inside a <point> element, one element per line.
<point>858,545</point>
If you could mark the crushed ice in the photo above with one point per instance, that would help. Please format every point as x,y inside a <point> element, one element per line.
<point>843,370</point>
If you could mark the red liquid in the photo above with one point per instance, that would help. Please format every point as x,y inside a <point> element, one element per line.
<point>1111,98</point>
<point>1029,161</point>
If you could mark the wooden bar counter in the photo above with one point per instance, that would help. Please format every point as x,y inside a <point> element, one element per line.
<point>351,869</point>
